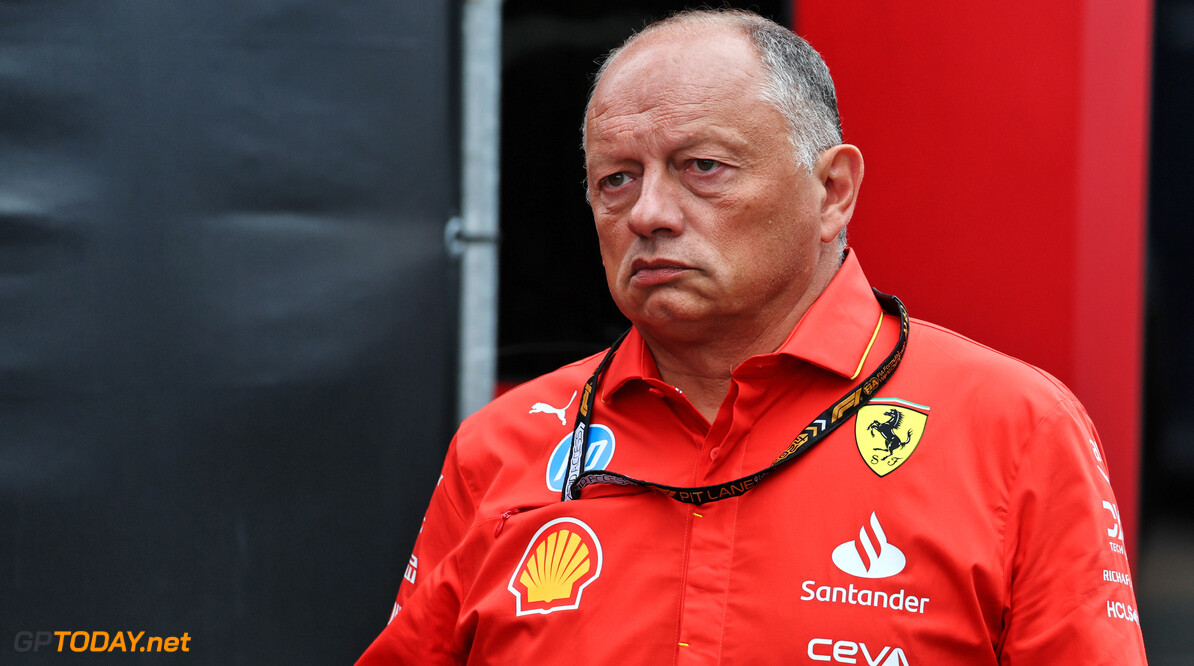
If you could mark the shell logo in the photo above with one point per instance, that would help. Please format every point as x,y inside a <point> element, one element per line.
<point>561,560</point>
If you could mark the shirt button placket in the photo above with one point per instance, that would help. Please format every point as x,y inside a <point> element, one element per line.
<point>706,582</point>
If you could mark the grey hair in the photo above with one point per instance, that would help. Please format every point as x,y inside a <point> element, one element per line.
<point>797,80</point>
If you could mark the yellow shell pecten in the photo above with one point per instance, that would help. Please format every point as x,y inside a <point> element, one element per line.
<point>559,561</point>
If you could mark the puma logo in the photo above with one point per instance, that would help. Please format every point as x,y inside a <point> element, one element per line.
<point>544,408</point>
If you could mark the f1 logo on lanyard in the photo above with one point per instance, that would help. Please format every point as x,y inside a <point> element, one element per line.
<point>839,412</point>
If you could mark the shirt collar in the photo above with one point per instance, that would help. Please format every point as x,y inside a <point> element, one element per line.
<point>835,334</point>
<point>838,329</point>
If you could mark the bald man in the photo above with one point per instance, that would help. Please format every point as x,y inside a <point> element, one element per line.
<point>775,465</point>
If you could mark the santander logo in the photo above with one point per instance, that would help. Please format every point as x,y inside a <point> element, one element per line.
<point>870,556</point>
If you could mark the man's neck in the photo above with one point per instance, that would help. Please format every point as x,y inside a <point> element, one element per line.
<point>702,368</point>
<point>700,359</point>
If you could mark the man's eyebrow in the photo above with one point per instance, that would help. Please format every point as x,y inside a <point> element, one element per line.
<point>676,139</point>
<point>725,138</point>
<point>606,161</point>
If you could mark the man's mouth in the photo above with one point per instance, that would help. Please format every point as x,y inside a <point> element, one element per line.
<point>646,273</point>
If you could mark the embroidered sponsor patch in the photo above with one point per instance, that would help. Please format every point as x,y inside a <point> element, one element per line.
<point>561,560</point>
<point>601,452</point>
<point>870,555</point>
<point>558,412</point>
<point>887,432</point>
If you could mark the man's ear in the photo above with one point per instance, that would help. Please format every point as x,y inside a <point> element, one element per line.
<point>839,170</point>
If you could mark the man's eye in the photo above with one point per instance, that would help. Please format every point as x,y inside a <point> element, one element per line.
<point>616,179</point>
<point>704,165</point>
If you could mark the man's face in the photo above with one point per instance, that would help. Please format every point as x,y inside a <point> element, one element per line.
<point>703,215</point>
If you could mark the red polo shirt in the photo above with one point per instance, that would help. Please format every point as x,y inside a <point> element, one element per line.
<point>963,516</point>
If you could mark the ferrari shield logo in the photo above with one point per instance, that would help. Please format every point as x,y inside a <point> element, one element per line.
<point>887,432</point>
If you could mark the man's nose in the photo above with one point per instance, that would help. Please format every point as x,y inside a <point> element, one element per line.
<point>657,209</point>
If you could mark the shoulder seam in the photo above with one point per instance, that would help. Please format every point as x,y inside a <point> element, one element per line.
<point>1044,374</point>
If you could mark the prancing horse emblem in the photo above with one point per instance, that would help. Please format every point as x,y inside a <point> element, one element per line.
<point>887,429</point>
<point>900,423</point>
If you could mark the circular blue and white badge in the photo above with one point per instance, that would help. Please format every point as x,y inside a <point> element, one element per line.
<point>601,452</point>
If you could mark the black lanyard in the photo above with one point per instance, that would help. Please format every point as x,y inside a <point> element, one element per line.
<point>814,432</point>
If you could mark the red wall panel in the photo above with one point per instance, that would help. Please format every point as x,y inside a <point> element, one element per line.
<point>1004,193</point>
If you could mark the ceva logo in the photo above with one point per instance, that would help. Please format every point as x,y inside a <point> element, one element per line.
<point>871,556</point>
<point>845,652</point>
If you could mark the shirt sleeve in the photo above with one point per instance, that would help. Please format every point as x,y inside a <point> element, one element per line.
<point>444,526</point>
<point>1071,597</point>
<point>423,633</point>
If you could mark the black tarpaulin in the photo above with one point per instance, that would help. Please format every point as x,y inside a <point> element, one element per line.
<point>226,317</point>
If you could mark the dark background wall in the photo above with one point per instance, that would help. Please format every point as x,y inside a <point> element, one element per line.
<point>1166,590</point>
<point>226,316</point>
